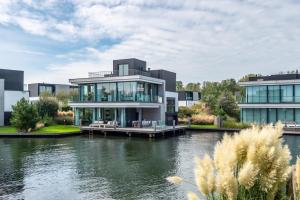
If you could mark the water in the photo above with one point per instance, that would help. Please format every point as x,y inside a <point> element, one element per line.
<point>103,168</point>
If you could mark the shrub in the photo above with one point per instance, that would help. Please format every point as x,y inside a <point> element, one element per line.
<point>252,164</point>
<point>64,120</point>
<point>47,106</point>
<point>65,113</point>
<point>202,119</point>
<point>232,123</point>
<point>184,112</point>
<point>24,116</point>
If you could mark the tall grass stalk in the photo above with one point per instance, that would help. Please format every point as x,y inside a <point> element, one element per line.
<point>252,164</point>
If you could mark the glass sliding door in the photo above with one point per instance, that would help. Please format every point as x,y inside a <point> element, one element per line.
<point>272,115</point>
<point>106,92</point>
<point>285,115</point>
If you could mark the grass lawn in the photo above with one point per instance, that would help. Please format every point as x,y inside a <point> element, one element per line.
<point>55,129</point>
<point>7,129</point>
<point>203,126</point>
<point>58,129</point>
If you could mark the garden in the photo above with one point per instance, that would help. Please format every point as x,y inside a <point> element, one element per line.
<point>48,115</point>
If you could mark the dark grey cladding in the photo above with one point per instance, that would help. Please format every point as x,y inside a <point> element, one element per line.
<point>13,79</point>
<point>169,77</point>
<point>276,77</point>
<point>135,66</point>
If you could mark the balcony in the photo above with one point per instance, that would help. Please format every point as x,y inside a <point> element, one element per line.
<point>115,99</point>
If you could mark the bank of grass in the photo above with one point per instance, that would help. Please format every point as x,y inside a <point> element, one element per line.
<point>7,129</point>
<point>57,129</point>
<point>195,126</point>
<point>54,129</point>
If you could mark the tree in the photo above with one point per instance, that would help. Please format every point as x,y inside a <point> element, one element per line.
<point>24,116</point>
<point>194,87</point>
<point>179,86</point>
<point>229,105</point>
<point>47,107</point>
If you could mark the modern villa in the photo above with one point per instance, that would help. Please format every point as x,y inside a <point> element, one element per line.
<point>36,89</point>
<point>11,91</point>
<point>130,93</point>
<point>269,99</point>
<point>188,98</point>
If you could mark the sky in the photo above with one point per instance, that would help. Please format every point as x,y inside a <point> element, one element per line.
<point>200,40</point>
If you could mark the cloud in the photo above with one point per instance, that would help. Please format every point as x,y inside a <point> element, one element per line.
<point>199,39</point>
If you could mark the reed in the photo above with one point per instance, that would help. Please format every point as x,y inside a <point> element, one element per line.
<point>252,164</point>
<point>297,173</point>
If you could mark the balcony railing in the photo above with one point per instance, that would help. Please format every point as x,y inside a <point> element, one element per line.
<point>130,72</point>
<point>114,99</point>
<point>270,100</point>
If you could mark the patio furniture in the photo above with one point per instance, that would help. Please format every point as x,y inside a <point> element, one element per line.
<point>111,124</point>
<point>96,124</point>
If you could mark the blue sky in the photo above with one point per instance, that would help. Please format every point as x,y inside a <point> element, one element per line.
<point>201,40</point>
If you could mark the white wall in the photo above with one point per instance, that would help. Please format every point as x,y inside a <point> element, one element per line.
<point>12,97</point>
<point>173,95</point>
<point>187,103</point>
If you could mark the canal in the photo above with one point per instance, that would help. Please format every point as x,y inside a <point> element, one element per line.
<point>103,168</point>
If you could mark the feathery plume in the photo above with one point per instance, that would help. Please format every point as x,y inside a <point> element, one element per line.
<point>192,196</point>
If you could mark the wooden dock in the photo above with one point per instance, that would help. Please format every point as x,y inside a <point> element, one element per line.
<point>146,132</point>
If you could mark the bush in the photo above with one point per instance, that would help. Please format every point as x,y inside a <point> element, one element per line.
<point>64,120</point>
<point>24,116</point>
<point>184,112</point>
<point>47,106</point>
<point>252,164</point>
<point>203,119</point>
<point>232,123</point>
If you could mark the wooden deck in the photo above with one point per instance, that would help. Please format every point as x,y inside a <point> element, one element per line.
<point>149,132</point>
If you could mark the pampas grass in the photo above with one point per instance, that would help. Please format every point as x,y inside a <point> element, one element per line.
<point>297,173</point>
<point>252,164</point>
<point>201,119</point>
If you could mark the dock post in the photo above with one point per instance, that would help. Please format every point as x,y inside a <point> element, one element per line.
<point>129,134</point>
<point>105,133</point>
<point>173,124</point>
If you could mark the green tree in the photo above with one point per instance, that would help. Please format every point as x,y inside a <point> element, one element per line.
<point>24,116</point>
<point>228,104</point>
<point>194,87</point>
<point>179,86</point>
<point>47,107</point>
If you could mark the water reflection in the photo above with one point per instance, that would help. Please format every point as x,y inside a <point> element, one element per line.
<point>103,168</point>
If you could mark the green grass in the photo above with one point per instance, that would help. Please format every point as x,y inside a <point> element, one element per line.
<point>7,129</point>
<point>203,126</point>
<point>57,129</point>
<point>54,129</point>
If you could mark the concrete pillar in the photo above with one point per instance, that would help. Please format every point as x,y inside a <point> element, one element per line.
<point>1,102</point>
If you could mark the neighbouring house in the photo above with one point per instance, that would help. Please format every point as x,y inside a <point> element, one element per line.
<point>188,98</point>
<point>36,89</point>
<point>130,93</point>
<point>269,99</point>
<point>11,91</point>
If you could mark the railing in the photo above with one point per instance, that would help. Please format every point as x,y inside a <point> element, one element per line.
<point>111,99</point>
<point>269,100</point>
<point>130,72</point>
<point>100,74</point>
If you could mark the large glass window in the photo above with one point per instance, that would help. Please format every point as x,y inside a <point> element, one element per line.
<point>87,92</point>
<point>285,115</point>
<point>297,93</point>
<point>48,89</point>
<point>286,93</point>
<point>274,93</point>
<point>123,70</point>
<point>256,94</point>
<point>170,105</point>
<point>106,92</point>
